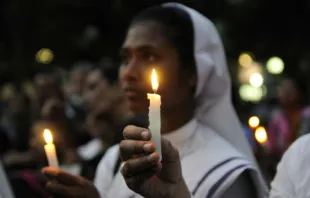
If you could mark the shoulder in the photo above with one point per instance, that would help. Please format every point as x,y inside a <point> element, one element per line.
<point>292,168</point>
<point>242,187</point>
<point>219,167</point>
<point>298,150</point>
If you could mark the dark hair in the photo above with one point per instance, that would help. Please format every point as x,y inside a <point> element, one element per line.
<point>109,70</point>
<point>82,66</point>
<point>177,27</point>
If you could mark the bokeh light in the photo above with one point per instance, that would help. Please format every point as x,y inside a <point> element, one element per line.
<point>245,60</point>
<point>45,56</point>
<point>250,93</point>
<point>261,135</point>
<point>253,121</point>
<point>244,73</point>
<point>275,65</point>
<point>256,80</point>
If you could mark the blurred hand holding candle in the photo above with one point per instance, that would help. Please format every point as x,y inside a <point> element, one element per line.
<point>154,114</point>
<point>50,149</point>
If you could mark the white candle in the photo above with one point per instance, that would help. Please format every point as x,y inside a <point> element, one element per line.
<point>154,114</point>
<point>50,149</point>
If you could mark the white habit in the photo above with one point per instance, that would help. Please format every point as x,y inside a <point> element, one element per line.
<point>214,151</point>
<point>293,173</point>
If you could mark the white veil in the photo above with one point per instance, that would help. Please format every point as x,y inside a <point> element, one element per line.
<point>213,92</point>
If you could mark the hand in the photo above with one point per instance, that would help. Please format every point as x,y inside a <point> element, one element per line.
<point>69,186</point>
<point>142,170</point>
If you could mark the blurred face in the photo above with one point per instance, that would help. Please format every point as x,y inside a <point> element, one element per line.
<point>18,105</point>
<point>46,87</point>
<point>145,48</point>
<point>100,128</point>
<point>78,80</point>
<point>96,90</point>
<point>288,93</point>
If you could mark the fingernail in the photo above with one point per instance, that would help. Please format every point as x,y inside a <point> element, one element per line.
<point>147,147</point>
<point>151,158</point>
<point>145,135</point>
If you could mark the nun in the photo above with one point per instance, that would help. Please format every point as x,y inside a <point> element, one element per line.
<point>210,156</point>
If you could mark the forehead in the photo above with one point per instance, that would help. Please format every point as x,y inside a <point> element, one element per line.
<point>145,34</point>
<point>94,76</point>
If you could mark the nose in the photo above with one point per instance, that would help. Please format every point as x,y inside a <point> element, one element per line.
<point>132,71</point>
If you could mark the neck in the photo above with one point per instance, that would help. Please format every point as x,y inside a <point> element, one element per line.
<point>120,112</point>
<point>172,119</point>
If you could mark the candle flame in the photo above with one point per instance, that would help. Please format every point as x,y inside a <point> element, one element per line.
<point>261,135</point>
<point>154,81</point>
<point>48,136</point>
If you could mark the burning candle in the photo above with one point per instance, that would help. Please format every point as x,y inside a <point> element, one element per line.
<point>50,149</point>
<point>154,114</point>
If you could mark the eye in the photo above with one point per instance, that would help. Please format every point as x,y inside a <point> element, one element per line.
<point>149,57</point>
<point>125,57</point>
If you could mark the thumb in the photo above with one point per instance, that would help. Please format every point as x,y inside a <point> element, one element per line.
<point>171,163</point>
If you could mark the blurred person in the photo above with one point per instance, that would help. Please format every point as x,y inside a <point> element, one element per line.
<point>16,122</point>
<point>106,110</point>
<point>292,179</point>
<point>47,85</point>
<point>285,125</point>
<point>75,110</point>
<point>211,157</point>
<point>107,113</point>
<point>53,116</point>
<point>49,112</point>
<point>74,88</point>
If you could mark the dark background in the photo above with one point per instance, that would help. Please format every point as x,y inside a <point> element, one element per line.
<point>89,29</point>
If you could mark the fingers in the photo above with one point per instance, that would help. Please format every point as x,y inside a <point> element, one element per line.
<point>169,152</point>
<point>62,176</point>
<point>137,133</point>
<point>134,182</point>
<point>171,162</point>
<point>130,148</point>
<point>135,166</point>
<point>58,189</point>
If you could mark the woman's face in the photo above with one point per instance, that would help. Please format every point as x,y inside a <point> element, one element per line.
<point>145,48</point>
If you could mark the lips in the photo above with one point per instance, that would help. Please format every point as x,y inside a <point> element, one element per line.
<point>133,93</point>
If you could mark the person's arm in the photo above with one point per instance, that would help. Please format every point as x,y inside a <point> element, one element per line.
<point>243,187</point>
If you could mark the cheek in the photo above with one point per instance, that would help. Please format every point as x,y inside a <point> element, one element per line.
<point>121,73</point>
<point>174,91</point>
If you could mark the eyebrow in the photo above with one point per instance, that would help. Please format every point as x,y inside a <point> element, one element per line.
<point>140,48</point>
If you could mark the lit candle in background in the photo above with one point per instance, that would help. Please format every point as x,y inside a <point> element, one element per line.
<point>50,149</point>
<point>154,114</point>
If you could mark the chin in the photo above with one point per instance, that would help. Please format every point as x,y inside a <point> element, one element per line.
<point>137,108</point>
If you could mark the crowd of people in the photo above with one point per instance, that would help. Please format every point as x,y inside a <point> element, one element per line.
<point>98,117</point>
